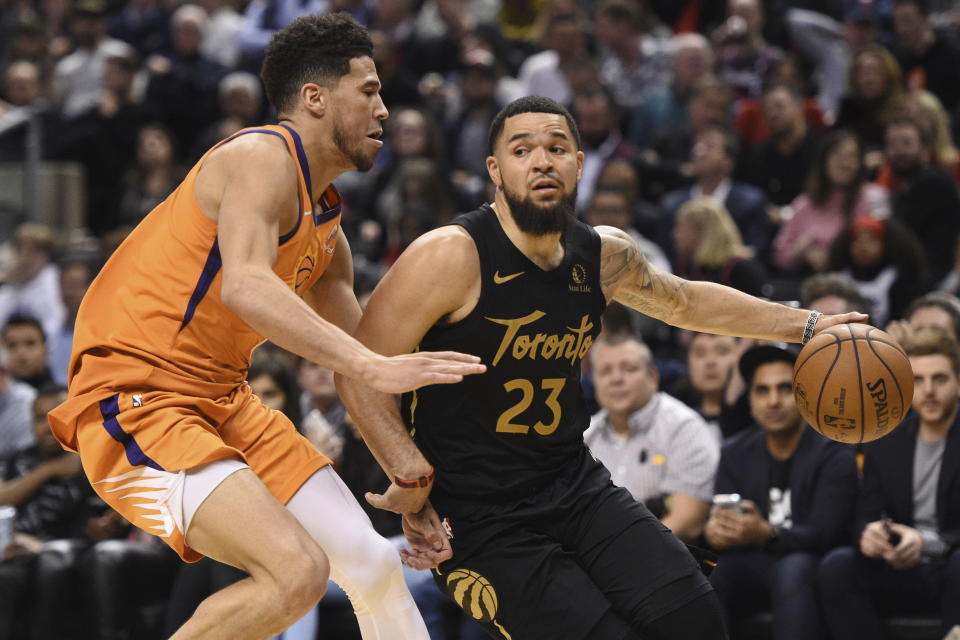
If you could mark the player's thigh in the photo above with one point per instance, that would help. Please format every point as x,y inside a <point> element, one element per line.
<point>523,585</point>
<point>240,523</point>
<point>136,450</point>
<point>280,456</point>
<point>635,561</point>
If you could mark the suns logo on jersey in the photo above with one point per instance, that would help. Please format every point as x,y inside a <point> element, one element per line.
<point>476,596</point>
<point>305,266</point>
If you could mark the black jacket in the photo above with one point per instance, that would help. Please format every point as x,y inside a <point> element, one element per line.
<point>888,480</point>
<point>823,487</point>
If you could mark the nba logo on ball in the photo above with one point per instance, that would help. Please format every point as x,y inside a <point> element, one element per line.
<point>853,383</point>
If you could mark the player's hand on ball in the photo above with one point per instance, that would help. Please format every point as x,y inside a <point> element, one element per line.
<point>825,322</point>
<point>874,542</point>
<point>906,554</point>
<point>429,545</point>
<point>410,371</point>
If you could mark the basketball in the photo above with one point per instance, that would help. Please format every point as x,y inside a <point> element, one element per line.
<point>853,383</point>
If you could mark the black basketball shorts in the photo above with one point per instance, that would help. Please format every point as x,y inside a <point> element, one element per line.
<point>551,565</point>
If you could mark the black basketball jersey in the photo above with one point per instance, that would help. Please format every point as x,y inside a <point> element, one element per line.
<point>507,431</point>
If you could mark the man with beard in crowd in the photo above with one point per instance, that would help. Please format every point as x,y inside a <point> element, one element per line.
<point>543,544</point>
<point>926,197</point>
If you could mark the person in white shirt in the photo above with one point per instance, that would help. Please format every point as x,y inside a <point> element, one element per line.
<point>16,410</point>
<point>654,446</point>
<point>544,73</point>
<point>31,286</point>
<point>78,77</point>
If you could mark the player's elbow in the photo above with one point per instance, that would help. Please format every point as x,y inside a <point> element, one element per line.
<point>231,294</point>
<point>239,290</point>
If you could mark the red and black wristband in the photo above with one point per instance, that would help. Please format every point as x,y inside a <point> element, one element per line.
<point>419,483</point>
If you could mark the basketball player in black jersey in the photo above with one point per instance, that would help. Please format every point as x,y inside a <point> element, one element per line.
<point>542,546</point>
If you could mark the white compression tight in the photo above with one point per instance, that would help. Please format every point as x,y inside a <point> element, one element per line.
<point>364,564</point>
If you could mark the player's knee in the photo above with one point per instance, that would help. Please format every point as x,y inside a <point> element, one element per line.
<point>298,575</point>
<point>302,584</point>
<point>371,559</point>
<point>384,557</point>
<point>371,571</point>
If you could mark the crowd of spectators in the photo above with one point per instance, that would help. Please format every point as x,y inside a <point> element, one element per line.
<point>793,149</point>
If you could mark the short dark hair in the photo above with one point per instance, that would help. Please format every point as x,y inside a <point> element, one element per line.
<point>836,284</point>
<point>23,319</point>
<point>731,144</point>
<point>923,6</point>
<point>946,302</point>
<point>81,257</point>
<point>615,339</point>
<point>272,366</point>
<point>903,120</point>
<point>51,389</point>
<point>530,104</point>
<point>611,189</point>
<point>755,357</point>
<point>598,90</point>
<point>311,49</point>
<point>622,11</point>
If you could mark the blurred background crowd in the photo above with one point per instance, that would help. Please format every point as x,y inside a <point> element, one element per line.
<point>799,150</point>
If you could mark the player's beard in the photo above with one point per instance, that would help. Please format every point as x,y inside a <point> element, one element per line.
<point>352,150</point>
<point>538,220</point>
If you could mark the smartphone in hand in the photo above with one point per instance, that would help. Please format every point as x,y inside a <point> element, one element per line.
<point>727,501</point>
<point>892,536</point>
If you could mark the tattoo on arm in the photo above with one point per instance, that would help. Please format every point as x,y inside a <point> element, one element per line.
<point>629,279</point>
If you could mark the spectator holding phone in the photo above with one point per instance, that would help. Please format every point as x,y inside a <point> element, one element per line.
<point>796,491</point>
<point>908,557</point>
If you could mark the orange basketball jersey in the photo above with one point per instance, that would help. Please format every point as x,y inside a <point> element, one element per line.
<point>153,319</point>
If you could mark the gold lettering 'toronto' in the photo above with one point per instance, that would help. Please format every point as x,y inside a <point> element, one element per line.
<point>513,326</point>
<point>569,346</point>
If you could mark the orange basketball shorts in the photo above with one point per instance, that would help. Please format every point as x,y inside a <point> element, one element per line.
<point>136,448</point>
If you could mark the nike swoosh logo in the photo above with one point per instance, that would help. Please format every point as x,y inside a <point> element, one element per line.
<point>498,279</point>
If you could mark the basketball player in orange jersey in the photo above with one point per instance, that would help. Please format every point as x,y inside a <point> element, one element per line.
<point>543,546</point>
<point>249,247</point>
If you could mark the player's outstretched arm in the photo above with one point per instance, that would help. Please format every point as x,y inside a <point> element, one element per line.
<point>627,277</point>
<point>431,280</point>
<point>255,196</point>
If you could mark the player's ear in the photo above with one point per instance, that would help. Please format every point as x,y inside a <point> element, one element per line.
<point>579,165</point>
<point>315,98</point>
<point>493,170</point>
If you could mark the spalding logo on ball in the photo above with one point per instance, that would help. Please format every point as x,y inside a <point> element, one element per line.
<point>476,596</point>
<point>853,383</point>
